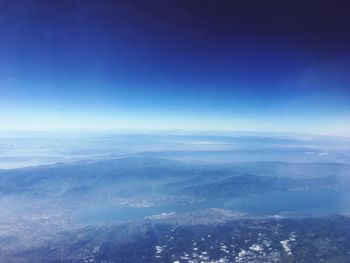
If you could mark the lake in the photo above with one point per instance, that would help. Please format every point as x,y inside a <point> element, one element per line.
<point>288,204</point>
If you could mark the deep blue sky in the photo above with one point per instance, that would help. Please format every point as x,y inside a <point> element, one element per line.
<point>198,65</point>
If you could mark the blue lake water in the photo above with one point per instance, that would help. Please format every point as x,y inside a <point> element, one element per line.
<point>298,203</point>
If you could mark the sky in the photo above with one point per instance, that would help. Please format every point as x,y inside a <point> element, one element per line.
<point>237,65</point>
